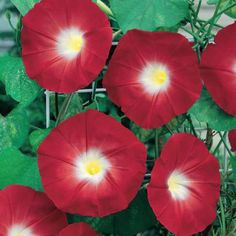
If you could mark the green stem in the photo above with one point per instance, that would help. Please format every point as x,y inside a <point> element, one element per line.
<point>213,232</point>
<point>211,22</point>
<point>219,144</point>
<point>94,87</point>
<point>169,130</point>
<point>209,137</point>
<point>64,108</point>
<point>80,105</point>
<point>198,52</point>
<point>156,143</point>
<point>225,144</point>
<point>104,8</point>
<point>223,226</point>
<point>193,34</point>
<point>191,124</point>
<point>35,127</point>
<point>18,35</point>
<point>214,17</point>
<point>226,9</point>
<point>192,27</point>
<point>215,24</point>
<point>115,34</point>
<point>8,16</point>
<point>56,104</point>
<point>198,9</point>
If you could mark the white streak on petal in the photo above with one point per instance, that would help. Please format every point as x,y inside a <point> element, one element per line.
<point>19,230</point>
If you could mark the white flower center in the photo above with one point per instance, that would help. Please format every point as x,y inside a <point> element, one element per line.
<point>178,185</point>
<point>92,166</point>
<point>19,230</point>
<point>70,43</point>
<point>155,77</point>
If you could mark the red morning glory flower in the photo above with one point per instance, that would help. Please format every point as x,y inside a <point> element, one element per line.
<point>25,212</point>
<point>153,77</point>
<point>78,229</point>
<point>218,69</point>
<point>232,139</point>
<point>185,185</point>
<point>65,43</point>
<point>91,165</point>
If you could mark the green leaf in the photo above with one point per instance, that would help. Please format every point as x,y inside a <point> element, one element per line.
<point>14,128</point>
<point>103,103</point>
<point>148,14</point>
<point>205,110</point>
<point>231,12</point>
<point>135,219</point>
<point>174,124</point>
<point>75,105</point>
<point>18,126</point>
<point>16,168</point>
<point>37,136</point>
<point>212,2</point>
<point>223,5</point>
<point>36,111</point>
<point>142,134</point>
<point>24,6</point>
<point>17,83</point>
<point>4,60</point>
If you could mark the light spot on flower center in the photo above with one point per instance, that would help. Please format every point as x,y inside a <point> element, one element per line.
<point>18,234</point>
<point>234,67</point>
<point>75,43</point>
<point>92,166</point>
<point>178,185</point>
<point>19,230</point>
<point>159,76</point>
<point>155,77</point>
<point>70,43</point>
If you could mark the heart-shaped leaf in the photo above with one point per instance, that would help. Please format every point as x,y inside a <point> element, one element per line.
<point>205,110</point>
<point>23,6</point>
<point>16,168</point>
<point>14,128</point>
<point>17,83</point>
<point>148,14</point>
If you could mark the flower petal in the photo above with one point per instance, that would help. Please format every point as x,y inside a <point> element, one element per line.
<point>23,210</point>
<point>84,161</point>
<point>61,43</point>
<point>185,184</point>
<point>218,69</point>
<point>153,76</point>
<point>78,229</point>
